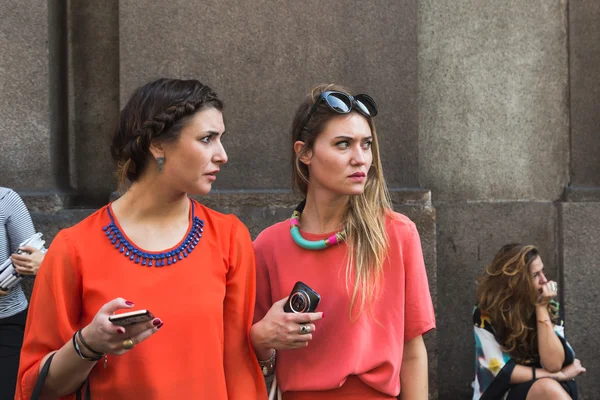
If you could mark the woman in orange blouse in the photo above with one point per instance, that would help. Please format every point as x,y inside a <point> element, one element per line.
<point>364,341</point>
<point>154,248</point>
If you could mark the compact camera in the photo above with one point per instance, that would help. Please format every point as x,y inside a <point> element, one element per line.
<point>302,299</point>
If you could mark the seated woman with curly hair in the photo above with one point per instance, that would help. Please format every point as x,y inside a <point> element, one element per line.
<point>519,333</point>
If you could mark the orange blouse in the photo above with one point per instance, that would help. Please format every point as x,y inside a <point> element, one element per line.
<point>205,300</point>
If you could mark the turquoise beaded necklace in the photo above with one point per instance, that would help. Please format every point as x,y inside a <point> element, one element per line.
<point>311,244</point>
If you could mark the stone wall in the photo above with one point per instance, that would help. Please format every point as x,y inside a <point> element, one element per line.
<point>488,124</point>
<point>264,57</point>
<point>580,214</point>
<point>28,159</point>
<point>493,148</point>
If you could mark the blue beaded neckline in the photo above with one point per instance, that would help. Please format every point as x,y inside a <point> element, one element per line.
<point>138,256</point>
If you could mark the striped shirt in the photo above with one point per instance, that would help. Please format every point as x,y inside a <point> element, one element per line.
<point>15,227</point>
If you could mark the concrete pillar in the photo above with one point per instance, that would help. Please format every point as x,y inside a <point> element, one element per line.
<point>94,96</point>
<point>493,147</point>
<point>33,133</point>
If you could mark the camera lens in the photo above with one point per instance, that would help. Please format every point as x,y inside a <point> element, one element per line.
<point>299,302</point>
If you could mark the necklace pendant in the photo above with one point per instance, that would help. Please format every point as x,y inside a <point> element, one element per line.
<point>138,256</point>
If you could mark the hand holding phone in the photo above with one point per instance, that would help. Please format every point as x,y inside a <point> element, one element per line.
<point>130,318</point>
<point>302,299</point>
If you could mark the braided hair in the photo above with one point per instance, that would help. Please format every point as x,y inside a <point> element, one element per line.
<point>156,111</point>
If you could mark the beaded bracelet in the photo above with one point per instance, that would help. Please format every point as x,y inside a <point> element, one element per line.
<point>268,366</point>
<point>80,354</point>
<point>87,346</point>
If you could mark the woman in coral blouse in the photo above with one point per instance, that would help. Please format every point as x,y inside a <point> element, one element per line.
<point>365,261</point>
<point>154,248</point>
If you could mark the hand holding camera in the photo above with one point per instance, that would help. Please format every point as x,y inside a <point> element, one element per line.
<point>289,323</point>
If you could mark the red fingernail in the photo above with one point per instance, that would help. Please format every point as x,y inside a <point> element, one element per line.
<point>156,322</point>
<point>322,315</point>
<point>121,331</point>
<point>129,303</point>
<point>159,326</point>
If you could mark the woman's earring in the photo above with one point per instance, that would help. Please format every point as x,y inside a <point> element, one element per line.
<point>161,162</point>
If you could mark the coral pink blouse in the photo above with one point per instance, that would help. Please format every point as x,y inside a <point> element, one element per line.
<point>363,356</point>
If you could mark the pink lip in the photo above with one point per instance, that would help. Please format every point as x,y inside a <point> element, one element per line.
<point>212,175</point>
<point>357,175</point>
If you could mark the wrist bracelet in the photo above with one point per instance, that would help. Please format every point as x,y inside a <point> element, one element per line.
<point>87,346</point>
<point>268,366</point>
<point>80,354</point>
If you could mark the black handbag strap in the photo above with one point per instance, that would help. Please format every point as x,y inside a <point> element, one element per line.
<point>87,394</point>
<point>41,380</point>
<point>39,385</point>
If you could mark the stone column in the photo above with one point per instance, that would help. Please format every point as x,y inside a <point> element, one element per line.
<point>580,215</point>
<point>493,148</point>
<point>33,134</point>
<point>94,96</point>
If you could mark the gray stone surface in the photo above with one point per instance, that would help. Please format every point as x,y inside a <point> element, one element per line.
<point>25,134</point>
<point>584,57</point>
<point>469,235</point>
<point>582,194</point>
<point>474,105</point>
<point>94,97</point>
<point>581,241</point>
<point>262,57</point>
<point>493,106</point>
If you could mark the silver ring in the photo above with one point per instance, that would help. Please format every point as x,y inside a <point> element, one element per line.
<point>553,286</point>
<point>304,329</point>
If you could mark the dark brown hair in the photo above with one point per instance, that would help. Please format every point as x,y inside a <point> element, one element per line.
<point>156,111</point>
<point>506,294</point>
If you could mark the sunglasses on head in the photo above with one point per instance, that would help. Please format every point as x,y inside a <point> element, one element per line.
<point>343,103</point>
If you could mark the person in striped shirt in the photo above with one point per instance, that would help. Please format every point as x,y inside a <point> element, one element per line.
<point>15,227</point>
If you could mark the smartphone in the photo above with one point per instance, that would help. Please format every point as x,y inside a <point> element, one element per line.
<point>130,318</point>
<point>302,299</point>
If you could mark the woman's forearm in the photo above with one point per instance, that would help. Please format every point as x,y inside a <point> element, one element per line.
<point>552,354</point>
<point>67,372</point>
<point>413,374</point>
<point>262,350</point>
<point>522,374</point>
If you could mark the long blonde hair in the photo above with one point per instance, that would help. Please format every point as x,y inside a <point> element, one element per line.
<point>365,216</point>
